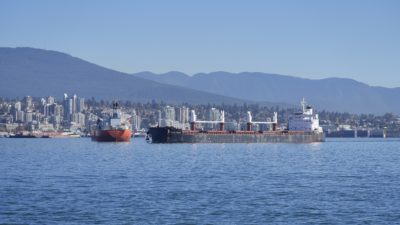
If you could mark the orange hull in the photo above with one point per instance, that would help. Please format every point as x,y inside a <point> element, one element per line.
<point>112,135</point>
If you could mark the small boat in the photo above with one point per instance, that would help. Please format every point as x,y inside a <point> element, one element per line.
<point>139,134</point>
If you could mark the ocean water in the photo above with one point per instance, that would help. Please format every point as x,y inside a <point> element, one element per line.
<point>77,181</point>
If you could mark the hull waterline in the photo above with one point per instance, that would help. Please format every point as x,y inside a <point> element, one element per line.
<point>112,135</point>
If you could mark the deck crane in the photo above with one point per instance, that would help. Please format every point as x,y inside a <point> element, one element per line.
<point>250,121</point>
<point>193,120</point>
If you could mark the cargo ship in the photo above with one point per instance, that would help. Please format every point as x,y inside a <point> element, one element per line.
<point>114,129</point>
<point>303,127</point>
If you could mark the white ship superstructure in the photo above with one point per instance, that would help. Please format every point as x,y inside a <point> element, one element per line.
<point>304,121</point>
<point>114,129</point>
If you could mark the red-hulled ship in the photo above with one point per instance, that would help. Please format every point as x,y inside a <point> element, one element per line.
<point>113,129</point>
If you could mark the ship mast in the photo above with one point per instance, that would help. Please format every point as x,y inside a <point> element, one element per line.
<point>303,104</point>
<point>115,110</point>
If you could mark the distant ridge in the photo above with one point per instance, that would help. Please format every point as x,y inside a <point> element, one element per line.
<point>37,72</point>
<point>333,94</point>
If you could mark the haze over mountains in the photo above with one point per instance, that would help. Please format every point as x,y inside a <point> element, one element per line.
<point>36,72</point>
<point>333,94</point>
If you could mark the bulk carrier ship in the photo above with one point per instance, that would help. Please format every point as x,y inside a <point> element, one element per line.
<point>112,130</point>
<point>303,127</point>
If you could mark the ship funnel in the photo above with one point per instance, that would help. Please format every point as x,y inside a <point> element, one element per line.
<point>192,117</point>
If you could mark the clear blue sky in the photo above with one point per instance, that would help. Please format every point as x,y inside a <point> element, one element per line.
<point>357,39</point>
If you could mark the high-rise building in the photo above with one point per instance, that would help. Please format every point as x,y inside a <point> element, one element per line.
<point>65,107</point>
<point>17,113</point>
<point>169,113</point>
<point>79,118</point>
<point>183,115</point>
<point>58,110</point>
<point>50,100</point>
<point>52,108</point>
<point>28,117</point>
<point>56,120</point>
<point>20,117</point>
<point>213,115</point>
<point>68,108</point>
<point>57,115</point>
<point>28,103</point>
<point>136,121</point>
<point>80,105</point>
<point>46,110</point>
<point>74,103</point>
<point>17,106</point>
<point>169,117</point>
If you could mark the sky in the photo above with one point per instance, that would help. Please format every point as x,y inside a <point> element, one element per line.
<point>315,39</point>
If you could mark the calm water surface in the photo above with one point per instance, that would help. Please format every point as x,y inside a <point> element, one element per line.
<point>77,181</point>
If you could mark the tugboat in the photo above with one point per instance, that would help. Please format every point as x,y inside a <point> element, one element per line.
<point>114,129</point>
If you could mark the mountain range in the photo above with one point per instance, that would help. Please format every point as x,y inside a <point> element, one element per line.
<point>37,72</point>
<point>333,94</point>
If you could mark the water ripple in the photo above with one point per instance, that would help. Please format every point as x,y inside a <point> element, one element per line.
<point>77,181</point>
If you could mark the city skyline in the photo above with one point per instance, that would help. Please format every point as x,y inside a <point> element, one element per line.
<point>309,39</point>
<point>71,113</point>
